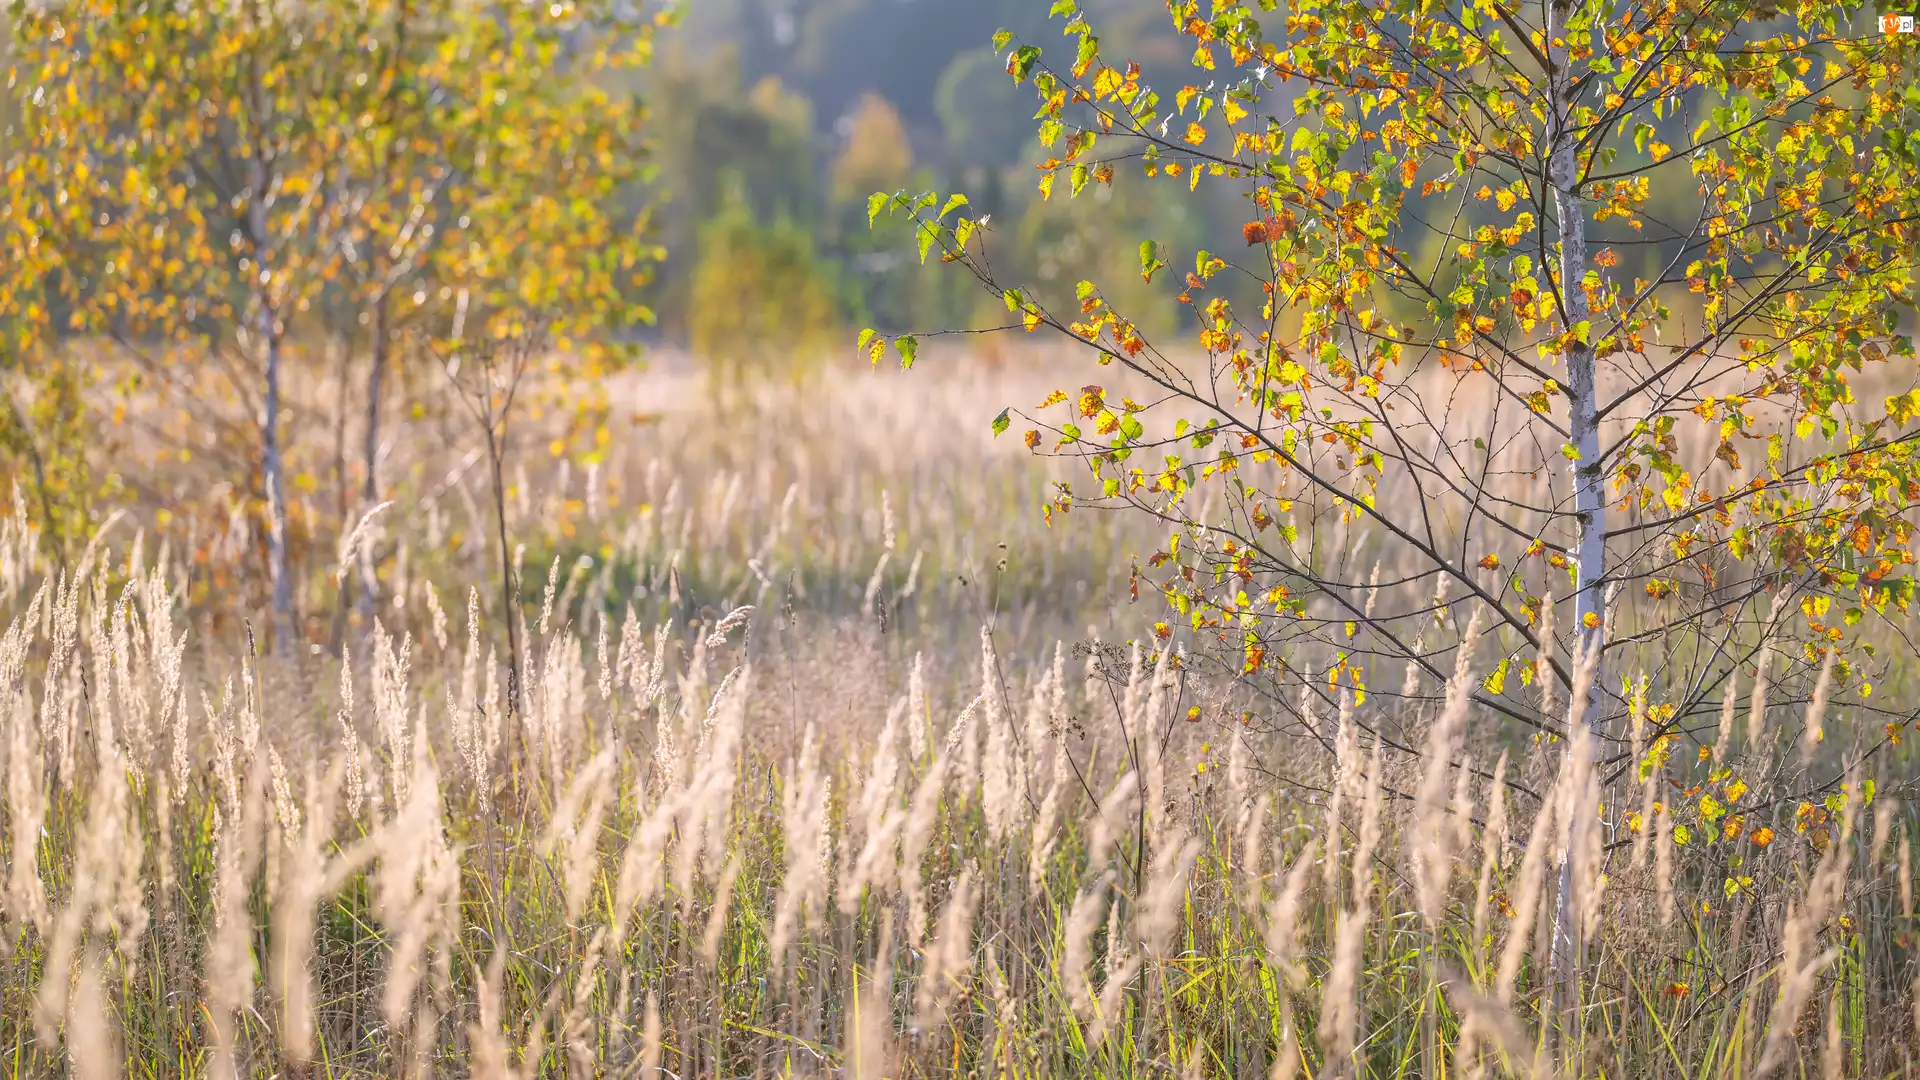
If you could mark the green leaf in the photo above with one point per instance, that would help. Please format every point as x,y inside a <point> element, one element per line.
<point>909,348</point>
<point>1000,39</point>
<point>1000,423</point>
<point>954,202</point>
<point>875,202</point>
<point>1013,299</point>
<point>1020,65</point>
<point>1150,262</point>
<point>1088,50</point>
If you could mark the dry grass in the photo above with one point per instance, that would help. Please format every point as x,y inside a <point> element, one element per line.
<point>925,809</point>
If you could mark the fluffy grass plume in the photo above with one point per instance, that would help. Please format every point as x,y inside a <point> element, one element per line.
<point>730,820</point>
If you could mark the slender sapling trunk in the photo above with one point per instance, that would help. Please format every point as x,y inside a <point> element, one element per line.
<point>1590,511</point>
<point>267,326</point>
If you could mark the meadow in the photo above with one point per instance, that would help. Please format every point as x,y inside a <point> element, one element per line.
<point>825,754</point>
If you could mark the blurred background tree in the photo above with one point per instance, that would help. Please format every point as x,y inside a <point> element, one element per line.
<point>724,153</point>
<point>762,302</point>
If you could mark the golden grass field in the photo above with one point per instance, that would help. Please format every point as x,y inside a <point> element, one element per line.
<point>832,759</point>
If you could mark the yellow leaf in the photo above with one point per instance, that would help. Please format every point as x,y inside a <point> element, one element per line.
<point>1496,683</point>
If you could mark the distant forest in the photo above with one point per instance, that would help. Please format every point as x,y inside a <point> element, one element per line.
<point>773,120</point>
<point>932,60</point>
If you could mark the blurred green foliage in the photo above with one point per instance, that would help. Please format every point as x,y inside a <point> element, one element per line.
<point>762,303</point>
<point>773,120</point>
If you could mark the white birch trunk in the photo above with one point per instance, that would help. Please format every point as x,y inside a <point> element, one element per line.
<point>267,326</point>
<point>1589,493</point>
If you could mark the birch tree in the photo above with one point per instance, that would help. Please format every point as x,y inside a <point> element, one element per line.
<point>183,136</point>
<point>203,185</point>
<point>1589,315</point>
